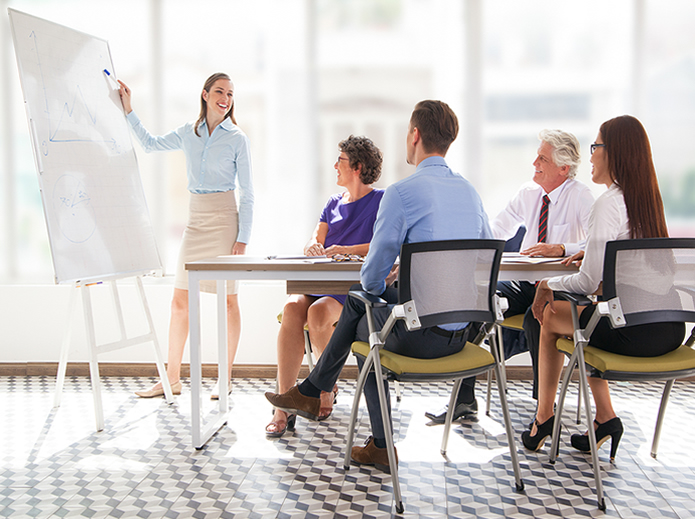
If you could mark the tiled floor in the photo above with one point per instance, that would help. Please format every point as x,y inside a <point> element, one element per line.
<point>54,464</point>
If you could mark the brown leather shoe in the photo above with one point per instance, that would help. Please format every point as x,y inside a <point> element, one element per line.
<point>293,402</point>
<point>370,454</point>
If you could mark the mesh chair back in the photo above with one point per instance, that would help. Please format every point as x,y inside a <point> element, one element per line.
<point>654,278</point>
<point>451,281</point>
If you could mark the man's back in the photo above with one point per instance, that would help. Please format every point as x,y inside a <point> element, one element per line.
<point>434,203</point>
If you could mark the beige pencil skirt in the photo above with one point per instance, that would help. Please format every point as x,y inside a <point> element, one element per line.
<point>213,224</point>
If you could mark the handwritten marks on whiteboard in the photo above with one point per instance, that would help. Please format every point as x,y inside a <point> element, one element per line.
<point>74,209</point>
<point>95,208</point>
<point>70,119</point>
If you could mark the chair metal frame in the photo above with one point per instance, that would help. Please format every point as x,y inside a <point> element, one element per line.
<point>611,308</point>
<point>512,324</point>
<point>406,311</point>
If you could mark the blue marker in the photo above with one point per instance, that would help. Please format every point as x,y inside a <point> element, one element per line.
<point>108,74</point>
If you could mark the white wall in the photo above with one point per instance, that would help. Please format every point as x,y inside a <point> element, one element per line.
<point>35,320</point>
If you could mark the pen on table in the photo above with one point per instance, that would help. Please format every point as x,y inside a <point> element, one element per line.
<point>108,74</point>
<point>92,284</point>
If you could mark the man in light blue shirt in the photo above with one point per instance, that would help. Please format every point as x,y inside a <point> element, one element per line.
<point>434,203</point>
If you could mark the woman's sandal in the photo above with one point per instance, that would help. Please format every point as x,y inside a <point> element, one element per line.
<point>281,426</point>
<point>325,412</point>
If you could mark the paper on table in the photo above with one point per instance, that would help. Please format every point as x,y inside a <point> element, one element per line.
<point>515,257</point>
<point>294,257</point>
<point>305,259</point>
<point>318,259</point>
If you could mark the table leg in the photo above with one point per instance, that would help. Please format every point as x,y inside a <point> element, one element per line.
<point>222,346</point>
<point>194,340</point>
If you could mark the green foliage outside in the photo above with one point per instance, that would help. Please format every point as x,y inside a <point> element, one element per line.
<point>679,195</point>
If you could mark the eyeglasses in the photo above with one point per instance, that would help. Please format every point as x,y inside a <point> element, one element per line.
<point>594,146</point>
<point>348,257</point>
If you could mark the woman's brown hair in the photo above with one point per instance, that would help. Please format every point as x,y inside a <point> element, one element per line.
<point>204,105</point>
<point>632,168</point>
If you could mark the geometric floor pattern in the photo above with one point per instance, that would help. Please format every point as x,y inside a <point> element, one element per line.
<point>54,463</point>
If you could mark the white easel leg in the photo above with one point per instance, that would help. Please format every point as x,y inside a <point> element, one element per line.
<point>159,358</point>
<point>64,349</point>
<point>93,363</point>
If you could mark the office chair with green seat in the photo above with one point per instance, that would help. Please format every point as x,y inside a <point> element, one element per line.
<point>440,283</point>
<point>644,281</point>
<point>514,322</point>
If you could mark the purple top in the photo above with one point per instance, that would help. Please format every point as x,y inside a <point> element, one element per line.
<point>350,223</point>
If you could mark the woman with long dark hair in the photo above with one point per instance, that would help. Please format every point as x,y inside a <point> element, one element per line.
<point>218,161</point>
<point>630,208</point>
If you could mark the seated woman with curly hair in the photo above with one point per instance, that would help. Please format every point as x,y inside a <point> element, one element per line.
<point>345,227</point>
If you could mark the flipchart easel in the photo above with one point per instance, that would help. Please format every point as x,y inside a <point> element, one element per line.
<point>94,204</point>
<point>96,349</point>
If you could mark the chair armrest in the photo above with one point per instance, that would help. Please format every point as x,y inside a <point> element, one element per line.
<point>577,299</point>
<point>368,299</point>
<point>691,340</point>
<point>405,311</point>
<point>501,306</point>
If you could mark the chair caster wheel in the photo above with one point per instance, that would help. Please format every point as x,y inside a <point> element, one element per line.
<point>400,508</point>
<point>520,487</point>
<point>346,467</point>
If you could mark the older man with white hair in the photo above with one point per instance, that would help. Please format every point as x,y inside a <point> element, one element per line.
<point>554,208</point>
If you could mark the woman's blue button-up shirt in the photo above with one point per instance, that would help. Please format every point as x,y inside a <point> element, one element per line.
<point>215,163</point>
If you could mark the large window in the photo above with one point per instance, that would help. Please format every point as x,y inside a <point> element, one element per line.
<point>310,72</point>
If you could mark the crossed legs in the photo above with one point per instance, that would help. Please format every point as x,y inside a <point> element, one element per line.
<point>319,315</point>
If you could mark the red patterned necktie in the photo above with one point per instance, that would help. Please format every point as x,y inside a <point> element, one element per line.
<point>543,220</point>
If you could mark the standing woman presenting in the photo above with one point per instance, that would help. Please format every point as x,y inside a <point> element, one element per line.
<point>218,159</point>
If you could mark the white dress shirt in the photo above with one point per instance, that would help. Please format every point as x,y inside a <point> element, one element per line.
<point>568,215</point>
<point>608,221</point>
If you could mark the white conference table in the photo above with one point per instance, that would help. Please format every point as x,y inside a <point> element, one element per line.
<point>302,277</point>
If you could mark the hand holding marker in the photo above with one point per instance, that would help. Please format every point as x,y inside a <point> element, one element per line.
<point>108,75</point>
<point>123,91</point>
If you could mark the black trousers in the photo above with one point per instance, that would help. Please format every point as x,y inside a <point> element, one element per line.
<point>520,295</point>
<point>352,326</point>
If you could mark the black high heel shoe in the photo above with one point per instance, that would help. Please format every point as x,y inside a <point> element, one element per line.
<point>543,431</point>
<point>612,428</point>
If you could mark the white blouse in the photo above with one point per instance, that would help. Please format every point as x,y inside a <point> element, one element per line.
<point>608,221</point>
